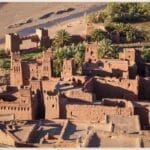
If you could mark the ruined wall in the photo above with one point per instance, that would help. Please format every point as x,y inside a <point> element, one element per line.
<point>116,88</point>
<point>94,113</point>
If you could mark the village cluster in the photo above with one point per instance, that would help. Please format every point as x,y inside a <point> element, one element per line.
<point>107,102</point>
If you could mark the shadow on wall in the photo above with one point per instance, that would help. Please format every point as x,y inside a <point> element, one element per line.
<point>71,128</point>
<point>92,69</point>
<point>94,141</point>
<point>7,97</point>
<point>144,89</point>
<point>143,114</point>
<point>109,91</point>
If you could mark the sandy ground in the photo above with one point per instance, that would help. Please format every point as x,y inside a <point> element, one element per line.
<point>16,17</point>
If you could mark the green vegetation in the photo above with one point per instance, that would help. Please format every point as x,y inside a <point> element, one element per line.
<point>122,12</point>
<point>107,49</point>
<point>61,39</point>
<point>98,35</point>
<point>125,32</point>
<point>5,63</point>
<point>32,55</point>
<point>71,51</point>
<point>128,21</point>
<point>146,54</point>
<point>128,12</point>
<point>4,60</point>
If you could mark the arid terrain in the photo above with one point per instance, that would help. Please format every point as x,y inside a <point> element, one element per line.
<point>74,75</point>
<point>26,17</point>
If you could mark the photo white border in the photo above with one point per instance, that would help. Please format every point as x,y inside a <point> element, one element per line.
<point>89,1</point>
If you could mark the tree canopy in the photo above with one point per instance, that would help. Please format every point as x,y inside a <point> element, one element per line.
<point>71,51</point>
<point>98,35</point>
<point>107,49</point>
<point>61,38</point>
<point>146,54</point>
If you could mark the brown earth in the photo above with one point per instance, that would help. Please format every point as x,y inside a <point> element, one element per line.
<point>18,16</point>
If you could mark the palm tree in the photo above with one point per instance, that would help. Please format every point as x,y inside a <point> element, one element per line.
<point>130,33</point>
<point>146,54</point>
<point>98,35</point>
<point>62,38</point>
<point>107,49</point>
<point>119,30</point>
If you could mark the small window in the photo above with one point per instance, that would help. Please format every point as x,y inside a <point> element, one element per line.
<point>53,106</point>
<point>128,84</point>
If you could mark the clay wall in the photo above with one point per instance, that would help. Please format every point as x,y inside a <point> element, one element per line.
<point>34,70</point>
<point>49,85</point>
<point>21,108</point>
<point>107,67</point>
<point>35,85</point>
<point>20,112</point>
<point>94,113</point>
<point>47,64</point>
<point>128,54</point>
<point>13,41</point>
<point>91,52</point>
<point>43,37</point>
<point>68,68</point>
<point>79,95</point>
<point>51,106</point>
<point>16,77</point>
<point>116,88</point>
